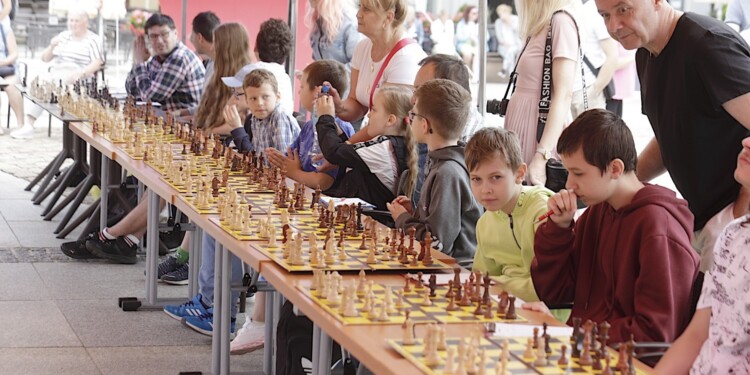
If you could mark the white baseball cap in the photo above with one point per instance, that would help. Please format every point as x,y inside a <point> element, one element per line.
<point>236,80</point>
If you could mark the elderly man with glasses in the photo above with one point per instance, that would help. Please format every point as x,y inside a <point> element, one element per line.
<point>164,69</point>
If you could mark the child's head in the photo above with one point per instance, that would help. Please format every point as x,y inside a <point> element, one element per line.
<point>261,92</point>
<point>597,149</point>
<point>274,41</point>
<point>496,168</point>
<point>389,115</point>
<point>742,173</point>
<point>318,72</point>
<point>441,108</point>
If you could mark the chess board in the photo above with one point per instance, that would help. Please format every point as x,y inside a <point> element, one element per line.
<point>413,303</point>
<point>517,347</point>
<point>356,259</point>
<point>517,364</point>
<point>415,354</point>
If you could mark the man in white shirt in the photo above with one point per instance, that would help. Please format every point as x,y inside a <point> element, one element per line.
<point>600,50</point>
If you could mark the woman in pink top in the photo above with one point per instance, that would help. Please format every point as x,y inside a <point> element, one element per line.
<point>523,109</point>
<point>624,79</point>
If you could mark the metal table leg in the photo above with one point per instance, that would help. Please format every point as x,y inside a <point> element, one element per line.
<point>225,308</point>
<point>195,250</point>
<point>315,349</point>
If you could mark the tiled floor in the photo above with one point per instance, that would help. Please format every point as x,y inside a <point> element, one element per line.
<point>60,316</point>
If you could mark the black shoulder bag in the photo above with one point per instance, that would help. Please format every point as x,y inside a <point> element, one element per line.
<point>557,175</point>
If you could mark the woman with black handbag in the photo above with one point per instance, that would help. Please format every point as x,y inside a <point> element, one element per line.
<point>8,57</point>
<point>547,67</point>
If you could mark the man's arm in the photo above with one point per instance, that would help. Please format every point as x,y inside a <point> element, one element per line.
<point>650,164</point>
<point>607,70</point>
<point>7,6</point>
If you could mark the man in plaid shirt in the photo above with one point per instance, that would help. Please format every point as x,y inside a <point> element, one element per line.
<point>173,75</point>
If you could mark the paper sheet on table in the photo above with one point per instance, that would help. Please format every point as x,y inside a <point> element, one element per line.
<point>524,330</point>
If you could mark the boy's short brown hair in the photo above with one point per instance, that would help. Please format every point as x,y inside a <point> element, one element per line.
<point>603,136</point>
<point>327,70</point>
<point>446,104</point>
<point>488,142</point>
<point>258,77</point>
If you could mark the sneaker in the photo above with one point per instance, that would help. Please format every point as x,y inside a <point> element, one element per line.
<point>250,338</point>
<point>194,307</point>
<point>178,276</point>
<point>77,249</point>
<point>166,266</point>
<point>25,132</point>
<point>118,250</point>
<point>205,323</point>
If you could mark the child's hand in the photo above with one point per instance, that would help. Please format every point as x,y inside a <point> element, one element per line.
<point>539,307</point>
<point>334,94</point>
<point>326,106</point>
<point>395,209</point>
<point>324,166</point>
<point>405,202</point>
<point>232,117</point>
<point>564,205</point>
<point>289,162</point>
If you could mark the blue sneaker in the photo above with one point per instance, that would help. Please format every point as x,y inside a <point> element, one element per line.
<point>191,308</point>
<point>205,323</point>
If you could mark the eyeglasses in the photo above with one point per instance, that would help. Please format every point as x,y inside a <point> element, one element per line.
<point>412,114</point>
<point>163,36</point>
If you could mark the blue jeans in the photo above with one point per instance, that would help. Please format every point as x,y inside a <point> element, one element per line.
<point>206,276</point>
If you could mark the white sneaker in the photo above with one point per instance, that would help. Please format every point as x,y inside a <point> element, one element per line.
<point>249,338</point>
<point>25,132</point>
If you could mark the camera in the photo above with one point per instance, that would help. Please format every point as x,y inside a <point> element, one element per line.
<point>497,107</point>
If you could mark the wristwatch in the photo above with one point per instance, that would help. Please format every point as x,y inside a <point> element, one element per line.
<point>546,154</point>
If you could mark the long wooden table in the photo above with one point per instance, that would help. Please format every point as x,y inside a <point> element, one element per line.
<point>366,343</point>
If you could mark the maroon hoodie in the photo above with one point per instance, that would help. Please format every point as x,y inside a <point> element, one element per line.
<point>633,267</point>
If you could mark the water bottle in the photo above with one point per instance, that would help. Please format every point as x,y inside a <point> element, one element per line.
<point>315,150</point>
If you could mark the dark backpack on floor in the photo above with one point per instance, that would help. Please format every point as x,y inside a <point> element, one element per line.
<point>294,336</point>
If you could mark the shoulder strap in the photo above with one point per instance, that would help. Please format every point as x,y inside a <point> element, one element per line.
<point>545,98</point>
<point>513,74</point>
<point>5,41</point>
<point>375,84</point>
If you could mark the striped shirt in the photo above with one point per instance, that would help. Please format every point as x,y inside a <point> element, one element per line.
<point>72,53</point>
<point>278,130</point>
<point>176,82</point>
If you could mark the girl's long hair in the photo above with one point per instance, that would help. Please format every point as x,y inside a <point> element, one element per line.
<point>397,102</point>
<point>232,48</point>
<point>331,15</point>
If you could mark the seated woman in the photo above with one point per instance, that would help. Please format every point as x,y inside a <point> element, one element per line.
<point>9,70</point>
<point>75,53</point>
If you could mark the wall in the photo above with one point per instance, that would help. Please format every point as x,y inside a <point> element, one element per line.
<point>250,13</point>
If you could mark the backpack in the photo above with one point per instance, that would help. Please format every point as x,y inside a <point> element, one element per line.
<point>294,335</point>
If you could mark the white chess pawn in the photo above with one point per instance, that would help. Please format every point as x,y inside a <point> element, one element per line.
<point>371,256</point>
<point>449,365</point>
<point>408,332</point>
<point>272,237</point>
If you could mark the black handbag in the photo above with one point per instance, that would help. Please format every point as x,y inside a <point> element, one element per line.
<point>557,175</point>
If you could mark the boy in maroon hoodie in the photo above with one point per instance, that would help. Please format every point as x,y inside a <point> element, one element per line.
<point>628,258</point>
